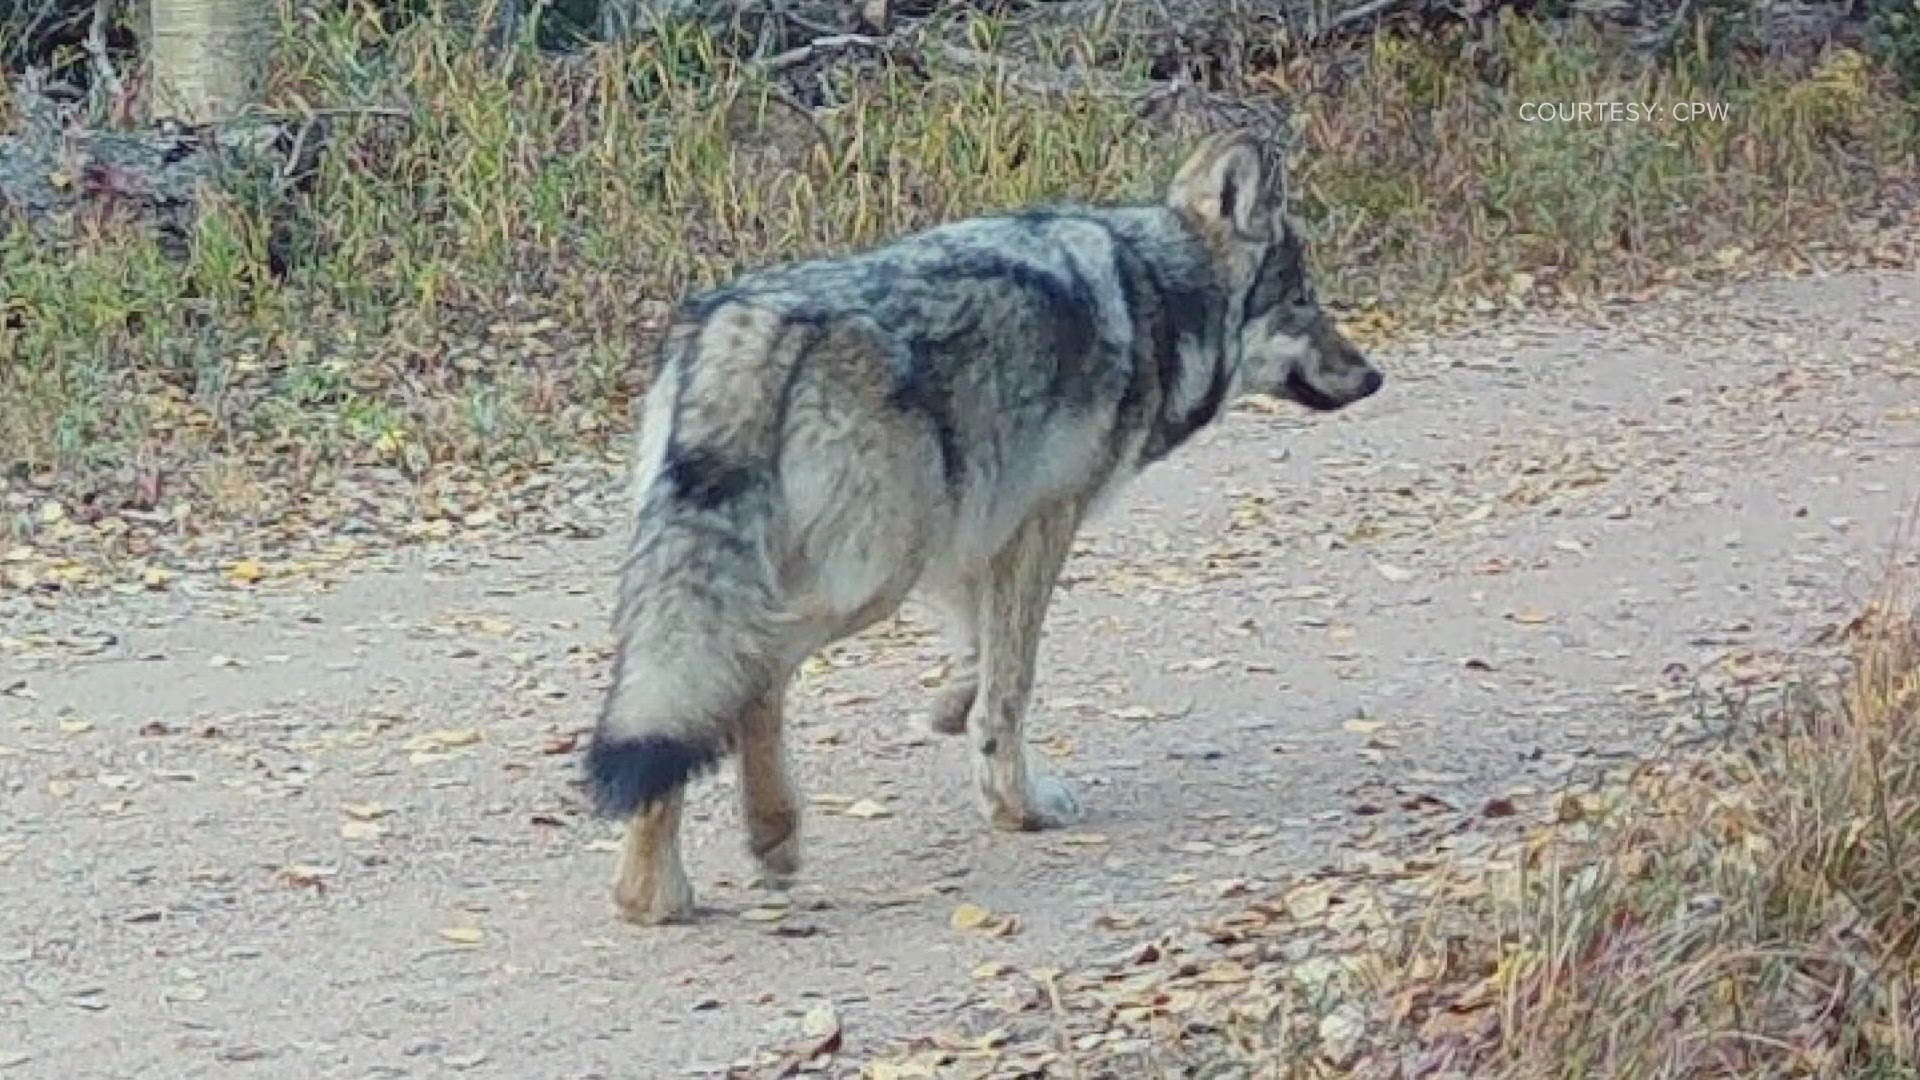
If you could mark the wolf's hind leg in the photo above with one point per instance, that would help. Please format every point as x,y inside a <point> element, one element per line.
<point>1013,607</point>
<point>955,698</point>
<point>652,885</point>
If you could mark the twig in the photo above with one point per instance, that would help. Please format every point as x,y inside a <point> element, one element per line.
<point>826,139</point>
<point>1358,14</point>
<point>804,23</point>
<point>801,54</point>
<point>1661,39</point>
<point>107,79</point>
<point>1353,15</point>
<point>1032,78</point>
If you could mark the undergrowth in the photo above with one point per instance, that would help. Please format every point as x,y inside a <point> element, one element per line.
<point>1751,911</point>
<point>475,279</point>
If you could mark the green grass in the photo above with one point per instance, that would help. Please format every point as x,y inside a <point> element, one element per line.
<point>476,280</point>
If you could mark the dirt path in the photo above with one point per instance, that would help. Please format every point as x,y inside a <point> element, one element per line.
<point>333,833</point>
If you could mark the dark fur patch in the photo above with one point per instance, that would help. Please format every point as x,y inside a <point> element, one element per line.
<point>1300,390</point>
<point>917,389</point>
<point>705,480</point>
<point>1066,305</point>
<point>699,307</point>
<point>1280,278</point>
<point>627,776</point>
<point>1174,430</point>
<point>1165,314</point>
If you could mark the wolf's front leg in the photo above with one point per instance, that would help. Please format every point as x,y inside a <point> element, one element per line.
<point>1013,605</point>
<point>652,885</point>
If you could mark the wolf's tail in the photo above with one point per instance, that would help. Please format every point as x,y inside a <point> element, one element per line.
<point>699,608</point>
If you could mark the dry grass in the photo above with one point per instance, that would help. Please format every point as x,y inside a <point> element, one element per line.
<point>1752,911</point>
<point>473,286</point>
<point>1422,173</point>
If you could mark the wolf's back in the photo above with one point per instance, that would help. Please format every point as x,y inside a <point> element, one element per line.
<point>698,607</point>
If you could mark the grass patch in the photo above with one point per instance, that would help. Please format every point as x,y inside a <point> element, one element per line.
<point>476,285</point>
<point>1424,175</point>
<point>1751,911</point>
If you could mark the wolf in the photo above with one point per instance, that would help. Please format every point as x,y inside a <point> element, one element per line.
<point>933,417</point>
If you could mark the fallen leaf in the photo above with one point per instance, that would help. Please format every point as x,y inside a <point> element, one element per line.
<point>303,876</point>
<point>463,935</point>
<point>1086,839</point>
<point>453,737</point>
<point>1308,901</point>
<point>970,917</point>
<point>867,808</point>
<point>246,572</point>
<point>820,1022</point>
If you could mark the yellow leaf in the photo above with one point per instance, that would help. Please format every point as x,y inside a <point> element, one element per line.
<point>970,917</point>
<point>1088,839</point>
<point>246,572</point>
<point>463,935</point>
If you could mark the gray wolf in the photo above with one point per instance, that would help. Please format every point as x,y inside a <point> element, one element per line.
<point>935,416</point>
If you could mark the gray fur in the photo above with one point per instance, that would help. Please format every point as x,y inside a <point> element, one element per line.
<point>938,415</point>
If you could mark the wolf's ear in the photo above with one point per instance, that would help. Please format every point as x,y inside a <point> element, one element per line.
<point>1225,181</point>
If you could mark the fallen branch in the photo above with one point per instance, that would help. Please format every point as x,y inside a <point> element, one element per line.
<point>57,176</point>
<point>1353,15</point>
<point>106,79</point>
<point>821,48</point>
<point>1032,78</point>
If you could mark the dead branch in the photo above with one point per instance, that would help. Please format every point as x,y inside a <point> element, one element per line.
<point>106,79</point>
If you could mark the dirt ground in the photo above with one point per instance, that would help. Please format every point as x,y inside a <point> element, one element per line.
<point>331,829</point>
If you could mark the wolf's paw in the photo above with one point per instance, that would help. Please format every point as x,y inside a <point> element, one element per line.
<point>656,902</point>
<point>1053,800</point>
<point>779,863</point>
<point>1049,804</point>
<point>948,716</point>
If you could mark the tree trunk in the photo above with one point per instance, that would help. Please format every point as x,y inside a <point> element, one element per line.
<point>209,57</point>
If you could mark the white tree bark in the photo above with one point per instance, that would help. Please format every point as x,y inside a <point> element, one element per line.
<point>209,57</point>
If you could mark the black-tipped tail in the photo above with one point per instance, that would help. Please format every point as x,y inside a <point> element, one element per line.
<point>625,776</point>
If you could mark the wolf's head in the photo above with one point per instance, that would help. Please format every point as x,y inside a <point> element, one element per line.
<point>1283,344</point>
